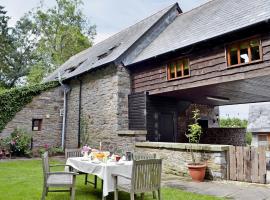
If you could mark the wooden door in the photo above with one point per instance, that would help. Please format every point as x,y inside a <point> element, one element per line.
<point>166,127</point>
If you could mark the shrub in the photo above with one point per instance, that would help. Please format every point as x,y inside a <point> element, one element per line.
<point>20,143</point>
<point>51,150</point>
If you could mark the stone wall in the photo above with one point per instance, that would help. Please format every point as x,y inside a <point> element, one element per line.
<point>104,108</point>
<point>229,136</point>
<point>45,106</point>
<point>176,157</point>
<point>209,113</point>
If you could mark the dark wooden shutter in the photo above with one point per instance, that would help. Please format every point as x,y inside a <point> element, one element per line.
<point>137,111</point>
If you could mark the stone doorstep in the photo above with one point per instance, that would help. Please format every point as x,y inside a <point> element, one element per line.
<point>183,146</point>
<point>131,133</point>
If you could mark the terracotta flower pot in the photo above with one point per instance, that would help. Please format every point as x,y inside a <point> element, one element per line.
<point>197,171</point>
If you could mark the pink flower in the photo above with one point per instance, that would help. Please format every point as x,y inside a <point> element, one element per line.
<point>12,142</point>
<point>86,149</point>
<point>46,146</point>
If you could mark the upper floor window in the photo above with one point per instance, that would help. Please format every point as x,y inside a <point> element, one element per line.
<point>178,69</point>
<point>244,52</point>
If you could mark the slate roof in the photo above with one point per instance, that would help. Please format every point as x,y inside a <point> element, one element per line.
<point>212,19</point>
<point>259,118</point>
<point>108,50</point>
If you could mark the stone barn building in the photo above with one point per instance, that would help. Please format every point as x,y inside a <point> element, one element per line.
<point>142,83</point>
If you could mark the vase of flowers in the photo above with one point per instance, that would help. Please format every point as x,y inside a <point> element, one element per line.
<point>85,151</point>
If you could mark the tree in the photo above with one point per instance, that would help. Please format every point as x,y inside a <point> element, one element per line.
<point>62,31</point>
<point>5,43</point>
<point>17,51</point>
<point>41,41</point>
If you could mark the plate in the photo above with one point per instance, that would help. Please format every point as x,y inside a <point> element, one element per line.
<point>96,162</point>
<point>85,159</point>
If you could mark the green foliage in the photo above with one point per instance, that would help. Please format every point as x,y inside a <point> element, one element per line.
<point>61,32</point>
<point>17,51</point>
<point>20,142</point>
<point>233,123</point>
<point>194,132</point>
<point>13,100</point>
<point>51,150</point>
<point>41,41</point>
<point>248,138</point>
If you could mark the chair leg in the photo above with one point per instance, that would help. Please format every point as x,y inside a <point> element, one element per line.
<point>43,193</point>
<point>85,179</point>
<point>132,196</point>
<point>159,194</point>
<point>72,197</point>
<point>154,195</point>
<point>116,194</point>
<point>95,182</point>
<point>46,191</point>
<point>142,196</point>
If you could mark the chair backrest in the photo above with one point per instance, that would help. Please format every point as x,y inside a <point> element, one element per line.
<point>69,153</point>
<point>45,164</point>
<point>143,156</point>
<point>146,175</point>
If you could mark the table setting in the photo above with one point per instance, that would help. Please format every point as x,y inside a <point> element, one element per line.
<point>103,164</point>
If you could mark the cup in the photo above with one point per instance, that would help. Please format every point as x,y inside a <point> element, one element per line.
<point>117,158</point>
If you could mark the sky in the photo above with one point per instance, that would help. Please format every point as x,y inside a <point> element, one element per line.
<point>111,16</point>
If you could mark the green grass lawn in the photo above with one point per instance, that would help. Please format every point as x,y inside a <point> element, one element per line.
<point>23,180</point>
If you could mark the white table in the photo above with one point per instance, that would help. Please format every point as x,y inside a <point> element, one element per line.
<point>102,170</point>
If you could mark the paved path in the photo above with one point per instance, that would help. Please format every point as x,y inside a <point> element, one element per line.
<point>228,189</point>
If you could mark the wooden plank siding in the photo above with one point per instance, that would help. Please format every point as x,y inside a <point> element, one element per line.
<point>137,111</point>
<point>206,67</point>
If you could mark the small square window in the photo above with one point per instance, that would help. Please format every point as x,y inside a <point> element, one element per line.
<point>178,69</point>
<point>36,124</point>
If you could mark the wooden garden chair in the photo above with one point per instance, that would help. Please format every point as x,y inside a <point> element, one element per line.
<point>146,177</point>
<point>69,153</point>
<point>57,179</point>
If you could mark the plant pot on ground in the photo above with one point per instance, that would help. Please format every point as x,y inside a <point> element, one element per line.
<point>196,168</point>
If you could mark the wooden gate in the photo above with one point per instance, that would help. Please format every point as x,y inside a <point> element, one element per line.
<point>247,164</point>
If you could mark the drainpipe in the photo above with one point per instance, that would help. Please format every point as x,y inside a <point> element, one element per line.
<point>66,91</point>
<point>79,117</point>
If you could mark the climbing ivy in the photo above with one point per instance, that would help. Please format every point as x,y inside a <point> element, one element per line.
<point>13,100</point>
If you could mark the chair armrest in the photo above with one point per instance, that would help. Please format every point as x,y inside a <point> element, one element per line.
<point>115,175</point>
<point>62,173</point>
<point>60,165</point>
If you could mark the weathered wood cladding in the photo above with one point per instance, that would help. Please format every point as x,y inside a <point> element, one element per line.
<point>137,111</point>
<point>207,66</point>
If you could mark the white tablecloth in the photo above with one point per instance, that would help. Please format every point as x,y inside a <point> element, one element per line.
<point>102,170</point>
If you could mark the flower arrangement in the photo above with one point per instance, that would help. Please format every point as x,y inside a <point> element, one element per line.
<point>85,149</point>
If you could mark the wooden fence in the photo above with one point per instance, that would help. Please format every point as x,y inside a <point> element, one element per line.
<point>247,164</point>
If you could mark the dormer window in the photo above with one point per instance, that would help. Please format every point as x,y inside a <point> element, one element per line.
<point>178,69</point>
<point>244,52</point>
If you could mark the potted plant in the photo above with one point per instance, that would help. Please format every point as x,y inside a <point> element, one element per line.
<point>196,168</point>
